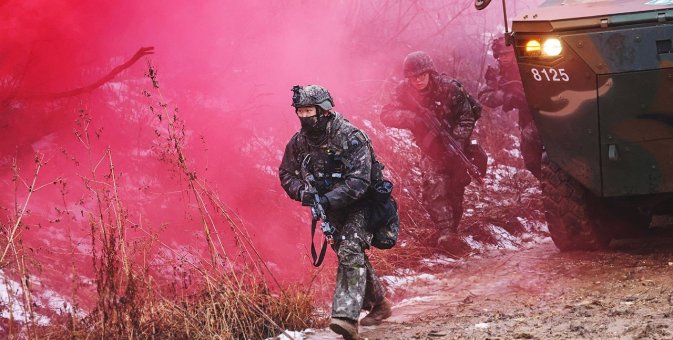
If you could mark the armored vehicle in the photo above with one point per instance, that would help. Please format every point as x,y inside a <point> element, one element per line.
<point>598,77</point>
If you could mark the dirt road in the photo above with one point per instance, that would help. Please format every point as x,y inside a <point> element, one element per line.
<point>540,293</point>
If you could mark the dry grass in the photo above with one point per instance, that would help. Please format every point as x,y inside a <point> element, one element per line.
<point>220,311</point>
<point>228,294</point>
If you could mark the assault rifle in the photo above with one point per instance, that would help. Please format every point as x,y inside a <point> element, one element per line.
<point>433,123</point>
<point>318,214</point>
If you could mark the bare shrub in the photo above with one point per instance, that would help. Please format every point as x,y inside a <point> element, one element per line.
<point>230,294</point>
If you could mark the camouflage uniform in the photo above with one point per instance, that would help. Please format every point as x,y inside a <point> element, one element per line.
<point>505,89</point>
<point>344,165</point>
<point>447,177</point>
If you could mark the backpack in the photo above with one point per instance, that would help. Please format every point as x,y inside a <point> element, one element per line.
<point>383,221</point>
<point>474,104</point>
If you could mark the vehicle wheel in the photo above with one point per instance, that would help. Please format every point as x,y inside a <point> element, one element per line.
<point>571,212</point>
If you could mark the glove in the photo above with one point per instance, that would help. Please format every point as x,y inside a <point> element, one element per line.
<point>308,199</point>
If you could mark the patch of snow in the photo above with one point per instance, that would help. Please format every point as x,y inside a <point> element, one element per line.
<point>293,335</point>
<point>395,282</point>
<point>11,298</point>
<point>414,300</point>
<point>531,239</point>
<point>58,303</point>
<point>505,239</point>
<point>474,244</point>
<point>438,260</point>
<point>513,152</point>
<point>503,171</point>
<point>533,225</point>
<point>481,325</point>
<point>533,191</point>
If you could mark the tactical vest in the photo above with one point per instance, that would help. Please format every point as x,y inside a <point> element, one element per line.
<point>328,164</point>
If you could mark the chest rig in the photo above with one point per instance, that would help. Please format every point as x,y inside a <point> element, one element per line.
<point>326,164</point>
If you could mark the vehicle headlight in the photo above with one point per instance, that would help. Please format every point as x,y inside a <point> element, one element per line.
<point>550,47</point>
<point>532,48</point>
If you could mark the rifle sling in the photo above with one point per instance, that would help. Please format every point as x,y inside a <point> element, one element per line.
<point>317,260</point>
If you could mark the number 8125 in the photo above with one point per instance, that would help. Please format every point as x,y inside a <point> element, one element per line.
<point>550,74</point>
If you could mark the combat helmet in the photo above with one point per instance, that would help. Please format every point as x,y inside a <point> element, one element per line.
<point>499,47</point>
<point>417,63</point>
<point>312,95</point>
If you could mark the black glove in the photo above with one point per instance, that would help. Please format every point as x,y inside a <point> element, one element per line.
<point>308,199</point>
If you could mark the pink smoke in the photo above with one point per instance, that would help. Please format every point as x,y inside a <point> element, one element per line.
<point>228,66</point>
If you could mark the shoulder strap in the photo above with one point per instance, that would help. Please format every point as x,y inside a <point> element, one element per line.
<point>317,260</point>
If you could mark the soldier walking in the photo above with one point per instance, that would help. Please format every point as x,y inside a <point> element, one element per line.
<point>331,157</point>
<point>426,95</point>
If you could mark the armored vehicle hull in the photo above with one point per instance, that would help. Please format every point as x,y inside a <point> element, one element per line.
<point>598,77</point>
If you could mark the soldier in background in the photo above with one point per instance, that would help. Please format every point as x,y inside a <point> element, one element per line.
<point>426,93</point>
<point>504,88</point>
<point>341,162</point>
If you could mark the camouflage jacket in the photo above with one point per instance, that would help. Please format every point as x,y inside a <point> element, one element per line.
<point>508,93</point>
<point>344,166</point>
<point>445,98</point>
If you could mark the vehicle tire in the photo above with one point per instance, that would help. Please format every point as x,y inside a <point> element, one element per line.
<point>571,212</point>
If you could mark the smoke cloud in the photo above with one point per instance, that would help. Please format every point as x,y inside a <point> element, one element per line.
<point>68,69</point>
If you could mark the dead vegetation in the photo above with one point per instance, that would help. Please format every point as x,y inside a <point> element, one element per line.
<point>226,293</point>
<point>145,288</point>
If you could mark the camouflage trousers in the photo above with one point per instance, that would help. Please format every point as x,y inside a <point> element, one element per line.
<point>443,198</point>
<point>531,149</point>
<point>357,286</point>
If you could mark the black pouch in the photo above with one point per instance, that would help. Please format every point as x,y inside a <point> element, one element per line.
<point>384,221</point>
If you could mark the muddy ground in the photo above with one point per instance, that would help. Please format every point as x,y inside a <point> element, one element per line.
<point>625,292</point>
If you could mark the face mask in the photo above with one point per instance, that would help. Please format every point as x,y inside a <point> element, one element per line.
<point>309,124</point>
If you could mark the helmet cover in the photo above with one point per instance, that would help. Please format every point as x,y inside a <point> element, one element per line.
<point>417,63</point>
<point>311,95</point>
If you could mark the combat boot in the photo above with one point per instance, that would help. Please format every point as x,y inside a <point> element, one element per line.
<point>345,327</point>
<point>381,311</point>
